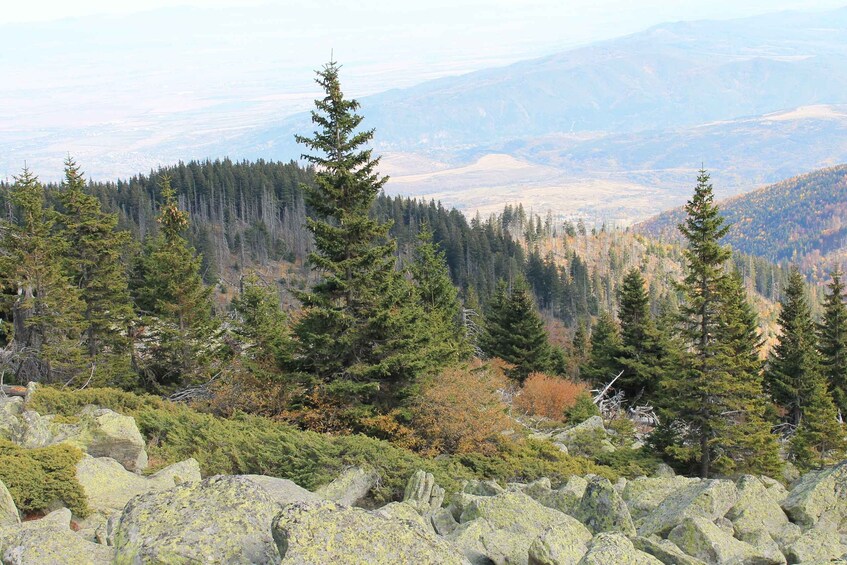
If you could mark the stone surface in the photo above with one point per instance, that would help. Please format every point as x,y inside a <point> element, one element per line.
<point>222,519</point>
<point>614,548</point>
<point>603,510</point>
<point>404,511</point>
<point>644,494</point>
<point>815,545</point>
<point>756,510</point>
<point>700,538</point>
<point>559,546</point>
<point>9,515</point>
<point>818,493</point>
<point>443,521</point>
<point>11,408</point>
<point>422,493</point>
<point>590,431</point>
<point>482,488</point>
<point>310,533</point>
<point>282,491</point>
<point>709,499</point>
<point>350,487</point>
<point>105,433</point>
<point>764,543</point>
<point>665,551</point>
<point>50,541</point>
<point>775,489</point>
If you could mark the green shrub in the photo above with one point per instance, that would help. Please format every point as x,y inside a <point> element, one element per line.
<point>38,478</point>
<point>583,409</point>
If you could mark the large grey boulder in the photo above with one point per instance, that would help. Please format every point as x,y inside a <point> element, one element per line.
<point>644,494</point>
<point>104,433</point>
<point>325,532</point>
<point>755,509</point>
<point>9,515</point>
<point>613,547</point>
<point>50,541</point>
<point>482,488</point>
<point>222,519</point>
<point>11,408</point>
<point>818,494</point>
<point>423,494</point>
<point>665,551</point>
<point>282,491</point>
<point>559,546</point>
<point>407,512</point>
<point>710,499</point>
<point>702,539</point>
<point>564,499</point>
<point>350,487</point>
<point>815,545</point>
<point>603,510</point>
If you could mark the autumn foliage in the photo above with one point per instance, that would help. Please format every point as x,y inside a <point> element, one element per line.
<point>550,397</point>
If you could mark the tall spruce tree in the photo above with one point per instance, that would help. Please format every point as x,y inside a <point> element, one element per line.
<point>45,305</point>
<point>832,339</point>
<point>820,438</point>
<point>176,345</point>
<point>794,367</point>
<point>604,347</point>
<point>360,332</point>
<point>94,262</point>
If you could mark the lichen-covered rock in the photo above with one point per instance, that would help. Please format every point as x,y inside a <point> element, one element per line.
<point>350,487</point>
<point>755,509</point>
<point>443,522</point>
<point>404,511</point>
<point>186,471</point>
<point>50,541</point>
<point>458,502</point>
<point>8,511</point>
<point>644,494</point>
<point>559,546</point>
<point>482,488</point>
<point>614,547</point>
<point>326,532</point>
<point>36,430</point>
<point>710,499</point>
<point>222,519</point>
<point>664,471</point>
<point>422,493</point>
<point>700,538</point>
<point>775,489</point>
<point>11,408</point>
<point>665,551</point>
<point>815,545</point>
<point>763,542</point>
<point>104,433</point>
<point>591,431</point>
<point>818,493</point>
<point>282,491</point>
<point>603,510</point>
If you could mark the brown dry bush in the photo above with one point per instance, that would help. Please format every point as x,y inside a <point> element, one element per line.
<point>550,397</point>
<point>461,410</point>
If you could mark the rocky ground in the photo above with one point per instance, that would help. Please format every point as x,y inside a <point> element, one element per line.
<point>176,516</point>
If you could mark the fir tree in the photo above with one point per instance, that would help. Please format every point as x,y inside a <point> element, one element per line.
<point>794,365</point>
<point>94,262</point>
<point>832,337</point>
<point>820,438</point>
<point>261,329</point>
<point>175,305</point>
<point>605,343</point>
<point>46,308</point>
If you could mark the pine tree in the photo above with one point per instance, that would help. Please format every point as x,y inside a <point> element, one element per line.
<point>605,343</point>
<point>794,364</point>
<point>261,329</point>
<point>360,331</point>
<point>46,307</point>
<point>820,438</point>
<point>515,332</point>
<point>175,306</point>
<point>832,337</point>
<point>94,263</point>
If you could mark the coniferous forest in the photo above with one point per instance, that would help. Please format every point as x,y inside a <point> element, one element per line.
<point>300,293</point>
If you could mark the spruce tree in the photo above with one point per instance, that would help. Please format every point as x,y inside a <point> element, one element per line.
<point>360,332</point>
<point>820,438</point>
<point>832,338</point>
<point>176,345</point>
<point>604,347</point>
<point>45,306</point>
<point>94,262</point>
<point>794,366</point>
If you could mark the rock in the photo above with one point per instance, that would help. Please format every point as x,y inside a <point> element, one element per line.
<point>104,433</point>
<point>350,487</point>
<point>11,408</point>
<point>105,532</point>
<point>787,535</point>
<point>815,545</point>
<point>664,471</point>
<point>35,430</point>
<point>187,471</point>
<point>700,538</point>
<point>665,551</point>
<point>591,431</point>
<point>422,493</point>
<point>709,499</point>
<point>725,525</point>
<point>816,494</point>
<point>603,510</point>
<point>559,546</point>
<point>31,387</point>
<point>222,519</point>
<point>755,509</point>
<point>565,499</point>
<point>9,515</point>
<point>458,502</point>
<point>282,491</point>
<point>763,541</point>
<point>50,541</point>
<point>404,511</point>
<point>443,522</point>
<point>482,488</point>
<point>310,533</point>
<point>776,490</point>
<point>614,547</point>
<point>644,494</point>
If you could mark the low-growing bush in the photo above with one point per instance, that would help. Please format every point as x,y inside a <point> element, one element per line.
<point>550,397</point>
<point>583,409</point>
<point>39,478</point>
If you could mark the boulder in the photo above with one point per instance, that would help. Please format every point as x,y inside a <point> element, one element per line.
<point>763,541</point>
<point>614,547</point>
<point>644,494</point>
<point>350,487</point>
<point>482,488</point>
<point>443,522</point>
<point>482,543</point>
<point>422,493</point>
<point>776,490</point>
<point>603,510</point>
<point>9,515</point>
<point>710,499</point>
<point>559,546</point>
<point>755,510</point>
<point>404,511</point>
<point>11,408</point>
<point>664,471</point>
<point>50,541</point>
<point>35,430</point>
<point>104,433</point>
<point>458,502</point>
<point>818,493</point>
<point>588,434</point>
<point>282,491</point>
<point>665,551</point>
<point>309,533</point>
<point>815,545</point>
<point>222,519</point>
<point>700,538</point>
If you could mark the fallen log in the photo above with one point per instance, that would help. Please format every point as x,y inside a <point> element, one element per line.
<point>12,390</point>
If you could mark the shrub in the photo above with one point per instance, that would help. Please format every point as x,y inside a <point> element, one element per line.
<point>38,478</point>
<point>583,409</point>
<point>550,397</point>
